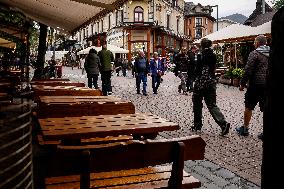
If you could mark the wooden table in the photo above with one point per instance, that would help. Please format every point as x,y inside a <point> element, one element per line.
<point>55,79</point>
<point>77,128</point>
<point>42,90</point>
<point>57,83</point>
<point>72,106</point>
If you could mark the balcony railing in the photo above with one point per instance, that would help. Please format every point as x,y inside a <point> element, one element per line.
<point>138,23</point>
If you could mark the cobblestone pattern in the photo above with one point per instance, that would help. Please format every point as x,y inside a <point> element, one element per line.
<point>232,161</point>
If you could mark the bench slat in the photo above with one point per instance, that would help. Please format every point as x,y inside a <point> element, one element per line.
<point>154,177</point>
<point>90,141</point>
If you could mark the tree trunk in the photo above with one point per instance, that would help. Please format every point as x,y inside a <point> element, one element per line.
<point>41,51</point>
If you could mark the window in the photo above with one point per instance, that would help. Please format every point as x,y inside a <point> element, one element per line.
<point>109,21</point>
<point>205,21</point>
<point>168,21</point>
<point>121,16</point>
<point>102,29</point>
<point>177,25</point>
<point>116,18</point>
<point>198,33</point>
<point>198,22</point>
<point>174,3</point>
<point>138,14</point>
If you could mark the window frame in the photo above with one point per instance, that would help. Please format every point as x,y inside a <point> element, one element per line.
<point>138,14</point>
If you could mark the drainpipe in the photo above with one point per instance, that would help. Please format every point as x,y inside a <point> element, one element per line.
<point>263,6</point>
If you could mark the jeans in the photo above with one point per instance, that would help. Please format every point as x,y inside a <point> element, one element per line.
<point>106,82</point>
<point>93,80</point>
<point>141,77</point>
<point>156,80</point>
<point>209,96</point>
<point>183,79</point>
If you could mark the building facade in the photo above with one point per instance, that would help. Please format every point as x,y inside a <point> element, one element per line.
<point>198,20</point>
<point>149,25</point>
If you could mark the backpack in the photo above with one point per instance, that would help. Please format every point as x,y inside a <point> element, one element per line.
<point>204,80</point>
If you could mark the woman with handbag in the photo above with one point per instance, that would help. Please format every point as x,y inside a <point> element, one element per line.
<point>205,88</point>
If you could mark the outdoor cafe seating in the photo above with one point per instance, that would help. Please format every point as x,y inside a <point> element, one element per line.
<point>119,146</point>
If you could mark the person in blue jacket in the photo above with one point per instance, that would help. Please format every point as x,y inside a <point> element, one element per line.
<point>156,71</point>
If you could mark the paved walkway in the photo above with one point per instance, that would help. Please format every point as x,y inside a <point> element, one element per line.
<point>232,161</point>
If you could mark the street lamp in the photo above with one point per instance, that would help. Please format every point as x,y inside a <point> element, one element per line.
<point>217,13</point>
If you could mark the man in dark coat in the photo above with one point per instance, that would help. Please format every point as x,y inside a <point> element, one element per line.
<point>255,75</point>
<point>91,65</point>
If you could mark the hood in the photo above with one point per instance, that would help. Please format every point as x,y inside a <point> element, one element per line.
<point>264,50</point>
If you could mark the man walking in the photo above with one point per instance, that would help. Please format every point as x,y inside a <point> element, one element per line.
<point>141,69</point>
<point>255,75</point>
<point>190,72</point>
<point>156,71</point>
<point>106,57</point>
<point>205,88</point>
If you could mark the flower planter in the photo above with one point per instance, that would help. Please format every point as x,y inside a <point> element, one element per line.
<point>236,82</point>
<point>225,81</point>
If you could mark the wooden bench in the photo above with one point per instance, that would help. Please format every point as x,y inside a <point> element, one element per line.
<point>130,165</point>
<point>89,141</point>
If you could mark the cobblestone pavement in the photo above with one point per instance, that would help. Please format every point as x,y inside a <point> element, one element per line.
<point>232,161</point>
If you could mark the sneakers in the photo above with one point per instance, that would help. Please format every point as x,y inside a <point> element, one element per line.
<point>243,131</point>
<point>179,88</point>
<point>225,129</point>
<point>260,136</point>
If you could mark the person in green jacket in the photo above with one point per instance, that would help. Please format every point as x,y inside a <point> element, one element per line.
<point>106,57</point>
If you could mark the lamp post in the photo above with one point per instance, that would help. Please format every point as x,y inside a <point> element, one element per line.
<point>217,14</point>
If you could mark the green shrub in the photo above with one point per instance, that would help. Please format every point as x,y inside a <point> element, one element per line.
<point>237,73</point>
<point>228,74</point>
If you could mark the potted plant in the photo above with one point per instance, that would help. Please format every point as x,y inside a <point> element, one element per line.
<point>227,77</point>
<point>237,74</point>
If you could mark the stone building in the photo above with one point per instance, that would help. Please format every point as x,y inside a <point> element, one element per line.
<point>198,20</point>
<point>149,25</point>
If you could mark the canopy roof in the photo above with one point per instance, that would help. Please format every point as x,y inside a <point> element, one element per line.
<point>65,15</point>
<point>7,43</point>
<point>114,49</point>
<point>238,32</point>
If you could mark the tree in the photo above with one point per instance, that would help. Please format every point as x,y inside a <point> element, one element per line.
<point>277,4</point>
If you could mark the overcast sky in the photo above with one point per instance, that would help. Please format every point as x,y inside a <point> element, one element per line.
<point>228,7</point>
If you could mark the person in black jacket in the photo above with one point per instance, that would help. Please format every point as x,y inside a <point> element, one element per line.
<point>91,65</point>
<point>205,88</point>
<point>141,69</point>
<point>255,76</point>
<point>181,69</point>
<point>190,77</point>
